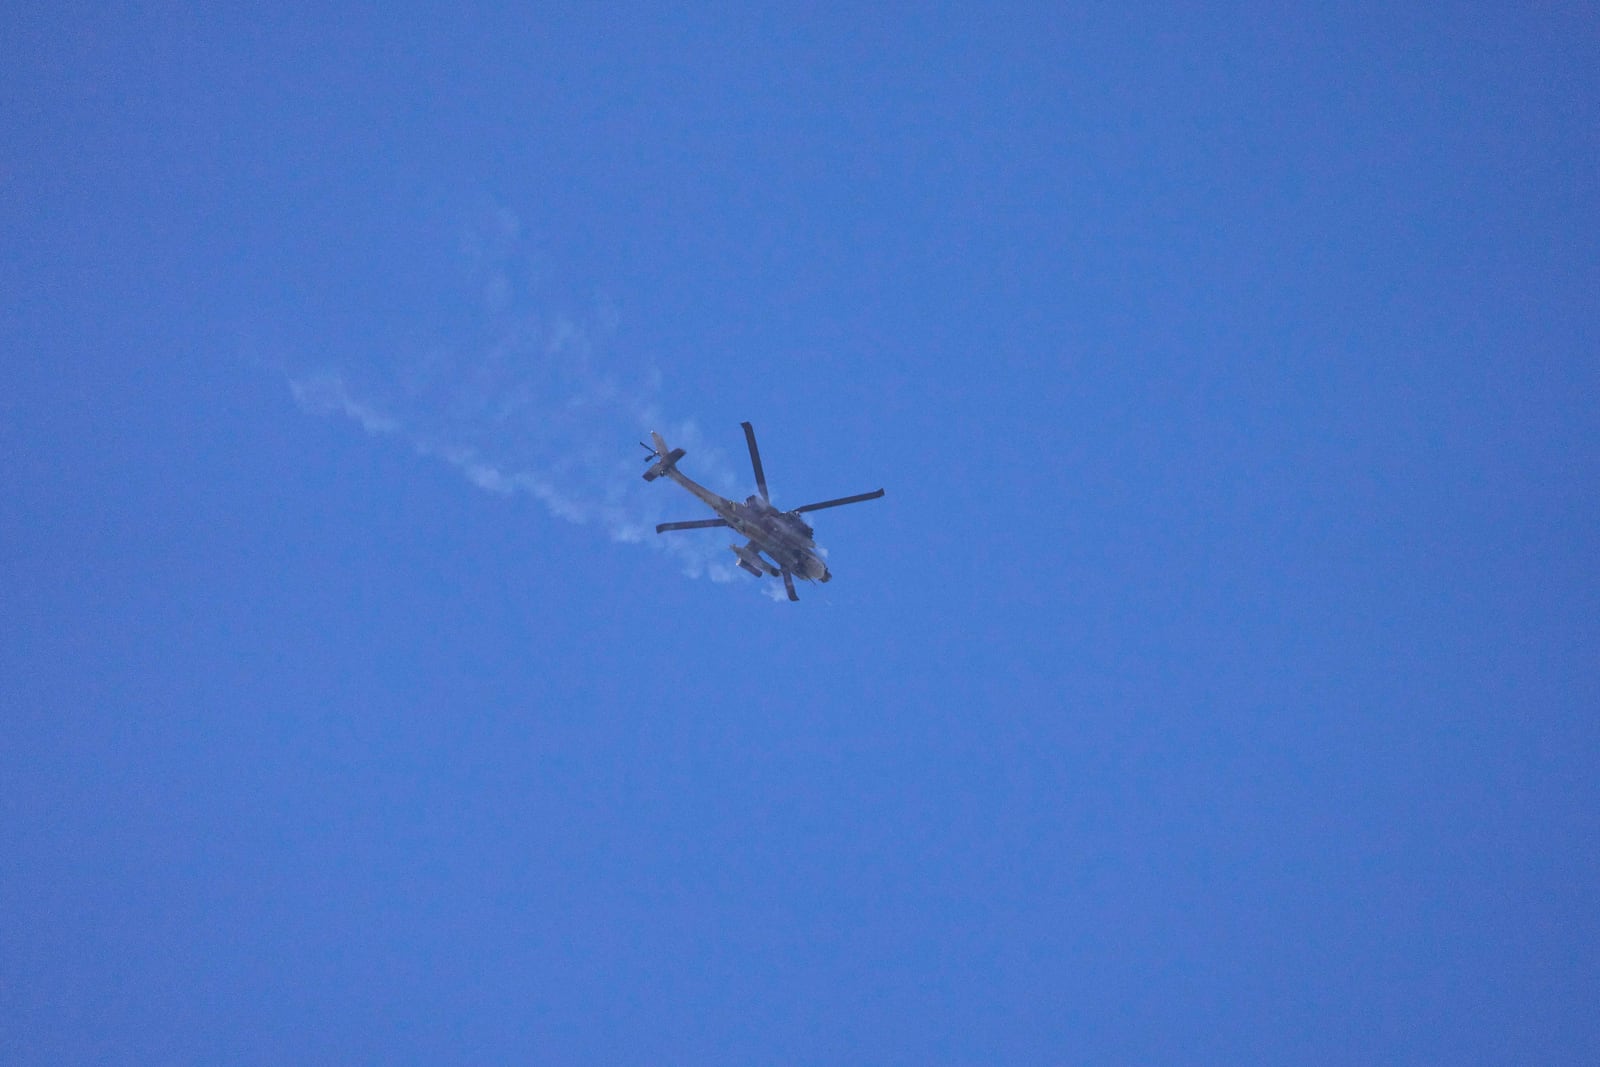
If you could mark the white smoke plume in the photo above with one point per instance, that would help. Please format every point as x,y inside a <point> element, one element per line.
<point>531,403</point>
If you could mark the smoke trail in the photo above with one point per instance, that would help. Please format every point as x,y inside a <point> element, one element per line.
<point>529,403</point>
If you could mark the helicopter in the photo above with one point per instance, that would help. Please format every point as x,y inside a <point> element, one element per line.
<point>781,535</point>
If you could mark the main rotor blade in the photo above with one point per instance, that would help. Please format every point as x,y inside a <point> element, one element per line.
<point>875,494</point>
<point>697,524</point>
<point>755,459</point>
<point>788,583</point>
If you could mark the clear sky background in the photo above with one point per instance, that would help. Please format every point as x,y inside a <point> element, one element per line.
<point>1217,682</point>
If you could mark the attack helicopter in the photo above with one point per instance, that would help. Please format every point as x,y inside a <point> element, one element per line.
<point>781,535</point>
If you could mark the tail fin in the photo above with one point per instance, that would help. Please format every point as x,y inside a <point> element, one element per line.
<point>666,458</point>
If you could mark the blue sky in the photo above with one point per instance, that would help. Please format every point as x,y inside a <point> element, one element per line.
<point>1217,681</point>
